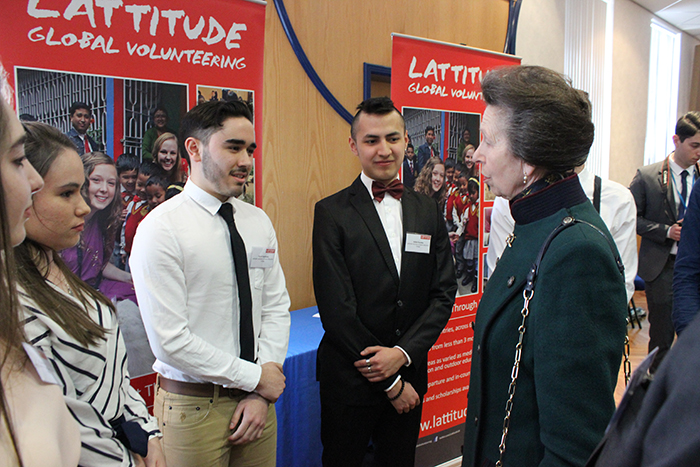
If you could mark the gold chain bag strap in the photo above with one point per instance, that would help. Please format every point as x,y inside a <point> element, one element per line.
<point>528,293</point>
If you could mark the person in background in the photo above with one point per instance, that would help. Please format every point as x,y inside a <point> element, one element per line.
<point>427,149</point>
<point>160,126</point>
<point>409,171</point>
<point>468,234</point>
<point>145,171</point>
<point>89,259</point>
<point>81,119</point>
<point>382,303</point>
<point>463,142</point>
<point>174,190</point>
<point>536,130</point>
<point>661,192</point>
<point>36,429</point>
<point>431,182</point>
<point>155,194</point>
<point>686,272</point>
<point>167,154</point>
<point>128,172</point>
<point>72,323</point>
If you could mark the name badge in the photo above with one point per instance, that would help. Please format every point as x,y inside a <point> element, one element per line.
<point>417,243</point>
<point>262,257</point>
<point>41,363</point>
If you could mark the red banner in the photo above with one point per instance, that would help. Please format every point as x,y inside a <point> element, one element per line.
<point>212,48</point>
<point>437,87</point>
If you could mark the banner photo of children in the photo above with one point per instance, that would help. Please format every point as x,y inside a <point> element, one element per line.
<point>439,163</point>
<point>437,87</point>
<point>116,80</point>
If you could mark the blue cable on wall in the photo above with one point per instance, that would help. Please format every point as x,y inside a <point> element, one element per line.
<point>306,64</point>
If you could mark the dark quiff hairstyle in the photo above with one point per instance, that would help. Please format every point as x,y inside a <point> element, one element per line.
<point>207,118</point>
<point>127,162</point>
<point>548,121</point>
<point>11,336</point>
<point>44,144</point>
<point>429,128</point>
<point>79,105</point>
<point>375,106</point>
<point>688,125</point>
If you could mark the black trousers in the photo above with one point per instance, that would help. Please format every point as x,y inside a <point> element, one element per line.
<point>659,294</point>
<point>346,432</point>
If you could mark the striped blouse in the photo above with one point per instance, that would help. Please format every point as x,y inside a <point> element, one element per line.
<point>94,380</point>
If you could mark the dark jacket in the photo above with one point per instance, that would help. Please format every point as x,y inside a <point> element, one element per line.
<point>572,345</point>
<point>657,210</point>
<point>80,145</point>
<point>666,429</point>
<point>364,301</point>
<point>686,272</point>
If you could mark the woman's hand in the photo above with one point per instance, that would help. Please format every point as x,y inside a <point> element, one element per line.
<point>155,457</point>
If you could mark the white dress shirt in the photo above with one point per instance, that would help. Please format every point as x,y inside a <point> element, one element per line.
<point>677,187</point>
<point>390,213</point>
<point>617,209</point>
<point>185,282</point>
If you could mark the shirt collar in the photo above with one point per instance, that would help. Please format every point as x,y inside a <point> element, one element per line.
<point>204,199</point>
<point>677,169</point>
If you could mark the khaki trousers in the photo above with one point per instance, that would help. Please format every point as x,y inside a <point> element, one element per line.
<point>195,432</point>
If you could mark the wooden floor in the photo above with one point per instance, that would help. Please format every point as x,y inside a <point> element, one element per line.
<point>639,340</point>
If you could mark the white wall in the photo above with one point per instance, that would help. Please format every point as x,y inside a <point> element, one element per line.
<point>540,41</point>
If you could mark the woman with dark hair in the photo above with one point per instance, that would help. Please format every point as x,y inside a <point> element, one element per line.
<point>160,126</point>
<point>431,181</point>
<point>89,259</point>
<point>74,324</point>
<point>549,332</point>
<point>167,154</point>
<point>35,427</point>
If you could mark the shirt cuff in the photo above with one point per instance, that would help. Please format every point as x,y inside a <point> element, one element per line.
<point>396,381</point>
<point>408,359</point>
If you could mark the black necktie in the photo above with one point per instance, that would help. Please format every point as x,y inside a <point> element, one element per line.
<point>684,194</point>
<point>240,261</point>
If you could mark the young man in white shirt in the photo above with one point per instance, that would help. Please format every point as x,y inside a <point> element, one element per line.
<point>213,401</point>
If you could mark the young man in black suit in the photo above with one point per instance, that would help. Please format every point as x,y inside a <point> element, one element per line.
<point>661,192</point>
<point>409,167</point>
<point>385,288</point>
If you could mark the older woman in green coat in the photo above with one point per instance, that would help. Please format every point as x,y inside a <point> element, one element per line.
<point>536,129</point>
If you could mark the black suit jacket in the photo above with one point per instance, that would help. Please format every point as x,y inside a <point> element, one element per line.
<point>407,177</point>
<point>657,210</point>
<point>364,301</point>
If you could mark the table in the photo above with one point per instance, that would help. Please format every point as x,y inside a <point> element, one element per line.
<point>299,407</point>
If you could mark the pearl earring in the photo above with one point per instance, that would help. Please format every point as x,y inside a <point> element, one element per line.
<point>524,178</point>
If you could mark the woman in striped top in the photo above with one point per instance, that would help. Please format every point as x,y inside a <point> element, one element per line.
<point>75,325</point>
<point>35,426</point>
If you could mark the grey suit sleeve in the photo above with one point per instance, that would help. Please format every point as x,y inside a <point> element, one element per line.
<point>649,229</point>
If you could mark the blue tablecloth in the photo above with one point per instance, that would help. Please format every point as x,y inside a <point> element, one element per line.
<point>299,408</point>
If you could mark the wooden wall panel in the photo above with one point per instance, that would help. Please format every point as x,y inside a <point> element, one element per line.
<point>305,142</point>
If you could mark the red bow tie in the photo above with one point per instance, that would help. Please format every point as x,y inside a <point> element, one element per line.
<point>395,189</point>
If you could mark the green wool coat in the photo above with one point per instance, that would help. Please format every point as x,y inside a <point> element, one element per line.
<point>573,341</point>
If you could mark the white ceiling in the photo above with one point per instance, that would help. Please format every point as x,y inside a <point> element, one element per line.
<point>683,14</point>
